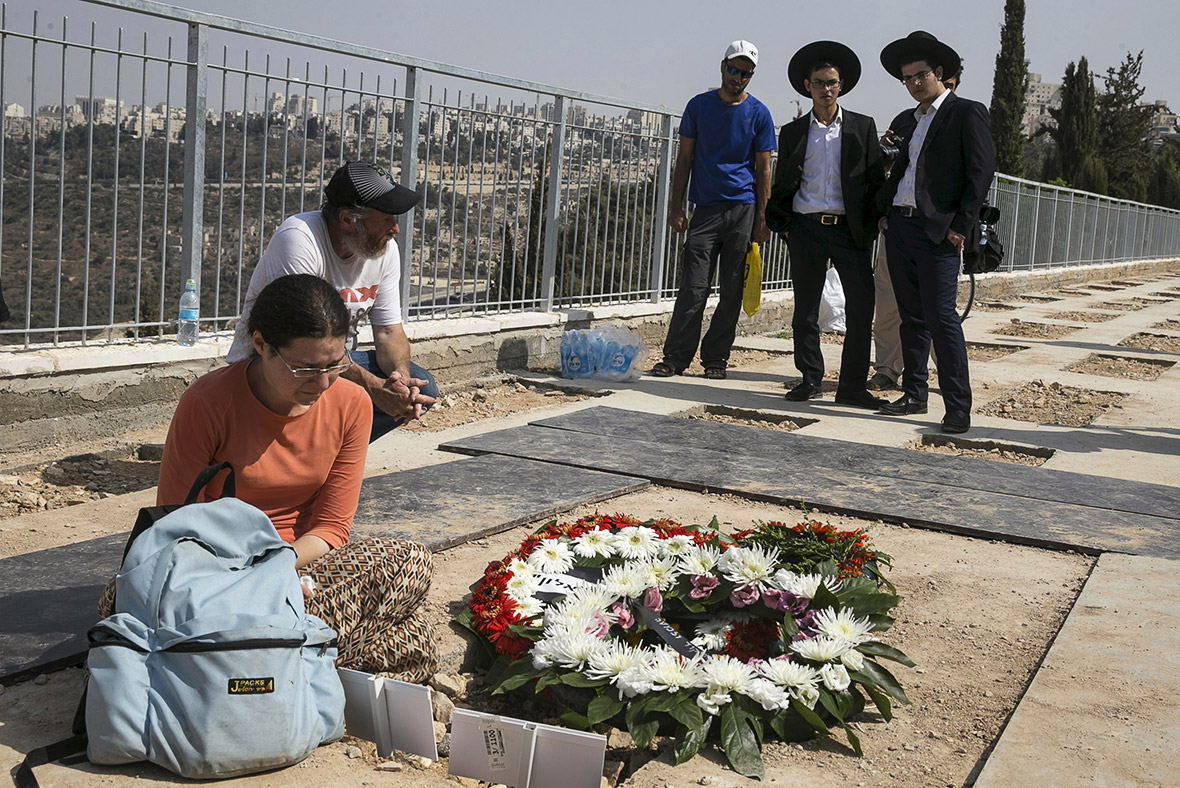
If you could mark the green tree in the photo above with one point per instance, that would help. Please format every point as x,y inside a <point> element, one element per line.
<point>1124,123</point>
<point>1163,185</point>
<point>1009,87</point>
<point>1076,132</point>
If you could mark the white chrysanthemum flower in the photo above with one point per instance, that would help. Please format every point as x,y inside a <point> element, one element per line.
<point>633,682</point>
<point>636,541</point>
<point>667,670</point>
<point>725,674</point>
<point>677,545</point>
<point>594,544</point>
<point>769,695</point>
<point>835,676</point>
<point>710,635</point>
<point>614,660</point>
<point>809,696</point>
<point>700,561</point>
<point>786,673</point>
<point>530,607</point>
<point>853,660</point>
<point>552,556</point>
<point>518,568</point>
<point>521,587</point>
<point>661,572</point>
<point>821,649</point>
<point>843,626</point>
<point>626,580</point>
<point>713,701</point>
<point>572,650</point>
<point>803,585</point>
<point>561,621</point>
<point>589,598</point>
<point>749,566</point>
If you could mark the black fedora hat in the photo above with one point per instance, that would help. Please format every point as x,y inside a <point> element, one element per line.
<point>817,52</point>
<point>920,45</point>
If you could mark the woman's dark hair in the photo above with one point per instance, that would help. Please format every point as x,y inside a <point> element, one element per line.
<point>297,306</point>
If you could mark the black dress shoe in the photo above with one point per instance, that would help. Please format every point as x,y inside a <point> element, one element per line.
<point>905,405</point>
<point>956,421</point>
<point>802,393</point>
<point>861,400</point>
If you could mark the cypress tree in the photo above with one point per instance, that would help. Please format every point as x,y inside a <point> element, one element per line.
<point>1009,87</point>
<point>1076,132</point>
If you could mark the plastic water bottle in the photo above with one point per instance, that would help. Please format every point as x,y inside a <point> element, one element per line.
<point>983,233</point>
<point>190,311</point>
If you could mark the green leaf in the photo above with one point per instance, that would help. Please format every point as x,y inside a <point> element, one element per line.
<point>827,569</point>
<point>641,729</point>
<point>881,623</point>
<point>873,673</point>
<point>574,720</point>
<point>837,706</point>
<point>877,603</point>
<point>687,712</point>
<point>575,679</point>
<point>810,717</point>
<point>516,675</point>
<point>856,587</point>
<point>689,739</point>
<point>739,742</point>
<point>604,707</point>
<point>790,628</point>
<point>829,701</point>
<point>789,726</point>
<point>663,702</point>
<point>548,680</point>
<point>824,598</point>
<point>873,648</point>
<point>881,700</point>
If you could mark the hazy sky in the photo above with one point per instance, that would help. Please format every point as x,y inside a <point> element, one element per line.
<point>663,53</point>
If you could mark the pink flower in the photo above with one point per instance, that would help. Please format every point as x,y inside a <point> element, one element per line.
<point>744,595</point>
<point>601,627</point>
<point>653,601</point>
<point>771,598</point>
<point>626,620</point>
<point>702,586</point>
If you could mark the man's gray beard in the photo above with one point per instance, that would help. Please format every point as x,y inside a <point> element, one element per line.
<point>361,245</point>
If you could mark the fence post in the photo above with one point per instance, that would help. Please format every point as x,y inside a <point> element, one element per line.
<point>409,178</point>
<point>192,221</point>
<point>552,208</point>
<point>660,231</point>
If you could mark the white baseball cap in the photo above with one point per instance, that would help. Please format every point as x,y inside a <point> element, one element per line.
<point>742,48</point>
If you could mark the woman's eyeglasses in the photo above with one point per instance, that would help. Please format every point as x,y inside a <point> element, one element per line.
<point>314,372</point>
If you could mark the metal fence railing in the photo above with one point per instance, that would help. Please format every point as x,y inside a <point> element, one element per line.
<point>171,146</point>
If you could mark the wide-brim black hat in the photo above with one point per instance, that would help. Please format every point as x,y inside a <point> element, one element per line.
<point>360,183</point>
<point>848,64</point>
<point>920,45</point>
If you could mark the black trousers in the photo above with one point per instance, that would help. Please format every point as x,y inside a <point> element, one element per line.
<point>811,245</point>
<point>718,240</point>
<point>925,278</point>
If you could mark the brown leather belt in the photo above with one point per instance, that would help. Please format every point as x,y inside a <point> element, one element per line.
<point>826,218</point>
<point>907,211</point>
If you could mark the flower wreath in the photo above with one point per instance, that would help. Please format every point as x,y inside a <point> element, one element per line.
<point>668,627</point>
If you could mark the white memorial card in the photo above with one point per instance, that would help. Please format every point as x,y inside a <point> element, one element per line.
<point>491,748</point>
<point>392,714</point>
<point>565,758</point>
<point>365,716</point>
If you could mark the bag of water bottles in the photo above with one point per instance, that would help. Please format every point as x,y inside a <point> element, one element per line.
<point>608,353</point>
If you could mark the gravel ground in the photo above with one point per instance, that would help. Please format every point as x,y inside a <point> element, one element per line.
<point>1052,403</point>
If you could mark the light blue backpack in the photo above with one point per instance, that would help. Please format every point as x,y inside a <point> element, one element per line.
<point>209,666</point>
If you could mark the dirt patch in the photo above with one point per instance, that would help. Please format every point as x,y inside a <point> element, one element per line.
<point>832,338</point>
<point>1081,316</point>
<point>1070,293</point>
<point>1166,295</point>
<point>1168,325</point>
<point>1036,299</point>
<point>1123,306</point>
<point>1052,403</point>
<point>983,450</point>
<point>77,480</point>
<point>1120,367</point>
<point>1019,328</point>
<point>1158,342</point>
<point>1104,288</point>
<point>720,414</point>
<point>993,306</point>
<point>487,400</point>
<point>979,351</point>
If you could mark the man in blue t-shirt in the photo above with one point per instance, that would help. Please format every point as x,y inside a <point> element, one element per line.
<point>726,136</point>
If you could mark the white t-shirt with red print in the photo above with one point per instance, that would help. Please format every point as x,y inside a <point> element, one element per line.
<point>369,288</point>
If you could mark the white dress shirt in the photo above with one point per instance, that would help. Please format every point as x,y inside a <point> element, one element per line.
<point>905,189</point>
<point>820,190</point>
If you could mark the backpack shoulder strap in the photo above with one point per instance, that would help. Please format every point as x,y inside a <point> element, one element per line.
<point>22,775</point>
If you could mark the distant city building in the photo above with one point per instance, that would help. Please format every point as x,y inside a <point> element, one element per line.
<point>1163,124</point>
<point>99,109</point>
<point>1038,100</point>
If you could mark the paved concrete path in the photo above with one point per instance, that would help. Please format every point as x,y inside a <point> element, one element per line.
<point>1104,708</point>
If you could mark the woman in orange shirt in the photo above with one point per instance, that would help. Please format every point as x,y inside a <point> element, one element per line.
<point>297,436</point>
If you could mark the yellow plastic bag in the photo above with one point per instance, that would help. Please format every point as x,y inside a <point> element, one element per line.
<point>752,290</point>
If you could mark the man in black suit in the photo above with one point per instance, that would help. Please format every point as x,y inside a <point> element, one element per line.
<point>931,200</point>
<point>830,169</point>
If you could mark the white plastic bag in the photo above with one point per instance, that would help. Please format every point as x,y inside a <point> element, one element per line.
<point>831,305</point>
<point>608,353</point>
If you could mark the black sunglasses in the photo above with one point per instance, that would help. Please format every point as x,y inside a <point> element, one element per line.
<point>737,72</point>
